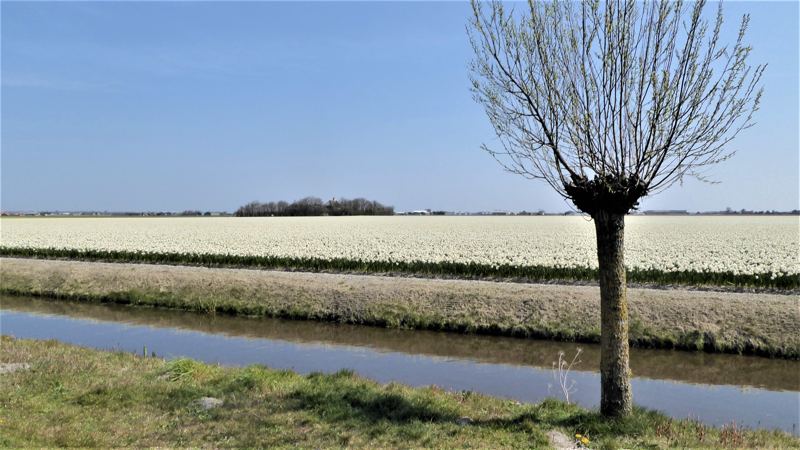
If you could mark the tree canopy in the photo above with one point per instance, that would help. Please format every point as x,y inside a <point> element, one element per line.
<point>608,102</point>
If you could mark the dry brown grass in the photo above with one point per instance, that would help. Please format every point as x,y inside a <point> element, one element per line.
<point>715,321</point>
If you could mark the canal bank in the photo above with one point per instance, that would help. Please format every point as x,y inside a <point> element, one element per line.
<point>64,395</point>
<point>715,389</point>
<point>761,324</point>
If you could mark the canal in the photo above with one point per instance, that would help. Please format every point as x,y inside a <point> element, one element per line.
<point>713,388</point>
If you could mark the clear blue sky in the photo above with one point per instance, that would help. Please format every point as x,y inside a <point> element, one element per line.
<point>172,106</point>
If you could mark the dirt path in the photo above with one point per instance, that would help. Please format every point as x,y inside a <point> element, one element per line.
<point>560,441</point>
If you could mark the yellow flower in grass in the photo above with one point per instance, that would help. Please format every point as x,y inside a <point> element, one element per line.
<point>578,436</point>
<point>585,441</point>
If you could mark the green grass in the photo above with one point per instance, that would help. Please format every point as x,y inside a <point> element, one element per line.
<point>73,396</point>
<point>417,268</point>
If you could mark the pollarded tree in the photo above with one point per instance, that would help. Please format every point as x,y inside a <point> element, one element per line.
<point>607,103</point>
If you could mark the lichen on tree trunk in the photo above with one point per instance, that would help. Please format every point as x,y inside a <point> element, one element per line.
<point>615,387</point>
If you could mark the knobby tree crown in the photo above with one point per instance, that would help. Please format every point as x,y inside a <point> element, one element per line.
<point>608,102</point>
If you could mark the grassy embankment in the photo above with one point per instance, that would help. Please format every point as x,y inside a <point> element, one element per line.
<point>727,280</point>
<point>763,324</point>
<point>72,396</point>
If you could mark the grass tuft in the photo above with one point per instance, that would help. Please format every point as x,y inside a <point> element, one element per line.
<point>183,369</point>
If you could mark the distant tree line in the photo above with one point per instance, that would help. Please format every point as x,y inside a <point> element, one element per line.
<point>314,206</point>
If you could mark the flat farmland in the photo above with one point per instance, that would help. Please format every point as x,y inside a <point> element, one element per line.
<point>739,246</point>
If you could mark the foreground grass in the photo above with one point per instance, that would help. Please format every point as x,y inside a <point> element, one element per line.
<point>73,396</point>
<point>762,324</point>
<point>725,279</point>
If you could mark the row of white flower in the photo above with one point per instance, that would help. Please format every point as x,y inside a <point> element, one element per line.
<point>743,245</point>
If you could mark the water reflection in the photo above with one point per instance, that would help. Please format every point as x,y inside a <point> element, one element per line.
<point>716,389</point>
<point>692,367</point>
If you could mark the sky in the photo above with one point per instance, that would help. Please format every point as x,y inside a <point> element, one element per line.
<point>168,106</point>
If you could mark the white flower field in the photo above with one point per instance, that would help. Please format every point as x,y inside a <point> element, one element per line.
<point>741,245</point>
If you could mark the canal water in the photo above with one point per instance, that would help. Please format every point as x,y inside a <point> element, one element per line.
<point>715,389</point>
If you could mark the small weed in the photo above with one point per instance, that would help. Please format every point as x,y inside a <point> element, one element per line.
<point>464,395</point>
<point>664,430</point>
<point>582,440</point>
<point>561,370</point>
<point>57,388</point>
<point>732,436</point>
<point>698,428</point>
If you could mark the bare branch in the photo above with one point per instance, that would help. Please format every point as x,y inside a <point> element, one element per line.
<point>622,95</point>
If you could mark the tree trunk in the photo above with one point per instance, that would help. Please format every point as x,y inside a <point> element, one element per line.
<point>615,387</point>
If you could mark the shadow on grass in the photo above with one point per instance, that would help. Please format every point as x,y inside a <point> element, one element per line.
<point>402,416</point>
<point>342,397</point>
